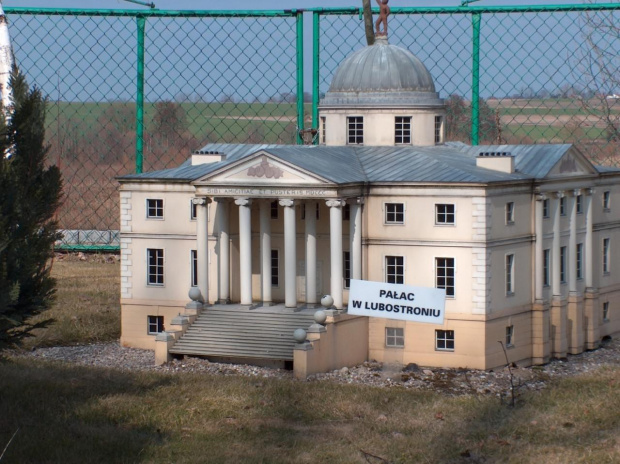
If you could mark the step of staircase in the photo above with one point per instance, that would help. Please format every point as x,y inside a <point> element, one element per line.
<point>237,332</point>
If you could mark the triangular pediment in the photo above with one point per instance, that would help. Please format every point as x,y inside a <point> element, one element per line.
<point>572,163</point>
<point>262,168</point>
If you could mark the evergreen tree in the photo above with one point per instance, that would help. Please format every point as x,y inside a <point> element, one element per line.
<point>30,194</point>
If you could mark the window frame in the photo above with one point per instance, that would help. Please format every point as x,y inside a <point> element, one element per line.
<point>275,277</point>
<point>606,198</point>
<point>323,129</point>
<point>579,261</point>
<point>156,322</point>
<point>509,262</point>
<point>158,210</point>
<point>606,257</point>
<point>193,266</point>
<point>450,289</point>
<point>396,266</point>
<point>445,214</point>
<point>395,221</point>
<point>579,203</point>
<point>439,122</point>
<point>156,266</point>
<point>346,269</point>
<point>510,335</point>
<point>510,213</point>
<point>563,258</point>
<point>193,210</point>
<point>605,311</point>
<point>445,337</point>
<point>273,210</point>
<point>546,208</point>
<point>397,335</point>
<point>562,206</point>
<point>546,267</point>
<point>405,130</point>
<point>355,130</point>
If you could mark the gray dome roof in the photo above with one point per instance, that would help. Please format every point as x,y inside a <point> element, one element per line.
<point>382,74</point>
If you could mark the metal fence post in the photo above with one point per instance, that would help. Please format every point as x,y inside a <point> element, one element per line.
<point>475,80</point>
<point>316,47</point>
<point>141,23</point>
<point>300,75</point>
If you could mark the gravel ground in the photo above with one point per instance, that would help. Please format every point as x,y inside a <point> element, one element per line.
<point>448,381</point>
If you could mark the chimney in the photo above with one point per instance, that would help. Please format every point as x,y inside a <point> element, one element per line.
<point>207,157</point>
<point>497,161</point>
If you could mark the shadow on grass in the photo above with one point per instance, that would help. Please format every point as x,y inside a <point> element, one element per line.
<point>57,409</point>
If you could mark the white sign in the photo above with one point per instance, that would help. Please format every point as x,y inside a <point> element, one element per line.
<point>394,301</point>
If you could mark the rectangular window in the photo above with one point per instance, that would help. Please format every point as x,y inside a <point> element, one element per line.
<point>579,204</point>
<point>194,267</point>
<point>510,212</point>
<point>193,211</point>
<point>438,129</point>
<point>546,208</point>
<point>607,200</point>
<point>444,214</point>
<point>510,330</point>
<point>510,274</point>
<point>274,209</point>
<point>444,340</point>
<point>606,311</point>
<point>579,270</point>
<point>346,268</point>
<point>403,130</point>
<point>563,206</point>
<point>394,337</point>
<point>346,212</point>
<point>606,255</point>
<point>323,130</point>
<point>155,324</point>
<point>275,268</point>
<point>563,264</point>
<point>394,213</point>
<point>444,275</point>
<point>154,208</point>
<point>355,130</point>
<point>395,269</point>
<point>155,271</point>
<point>546,267</point>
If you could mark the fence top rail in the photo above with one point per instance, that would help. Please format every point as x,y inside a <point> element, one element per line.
<point>154,13</point>
<point>473,9</point>
<point>321,11</point>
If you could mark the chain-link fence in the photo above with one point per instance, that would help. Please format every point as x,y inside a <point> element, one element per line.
<point>133,90</point>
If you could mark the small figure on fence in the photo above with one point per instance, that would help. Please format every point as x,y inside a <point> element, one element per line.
<point>384,11</point>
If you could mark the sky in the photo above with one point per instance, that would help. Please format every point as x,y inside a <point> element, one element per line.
<point>264,4</point>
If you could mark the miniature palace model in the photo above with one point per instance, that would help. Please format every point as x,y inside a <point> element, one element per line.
<point>525,239</point>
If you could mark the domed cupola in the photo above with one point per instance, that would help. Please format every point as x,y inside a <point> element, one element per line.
<point>382,95</point>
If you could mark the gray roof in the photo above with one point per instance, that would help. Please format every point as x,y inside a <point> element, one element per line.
<point>450,163</point>
<point>382,74</point>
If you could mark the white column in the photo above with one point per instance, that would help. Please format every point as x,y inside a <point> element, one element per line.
<point>290,254</point>
<point>224,239</point>
<point>245,249</point>
<point>538,258</point>
<point>311,253</point>
<point>572,242</point>
<point>335,247</point>
<point>355,236</point>
<point>265,250</point>
<point>202,245</point>
<point>555,248</point>
<point>588,245</point>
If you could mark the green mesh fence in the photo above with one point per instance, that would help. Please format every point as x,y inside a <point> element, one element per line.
<point>136,90</point>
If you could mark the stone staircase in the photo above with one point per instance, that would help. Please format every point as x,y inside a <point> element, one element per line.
<point>233,332</point>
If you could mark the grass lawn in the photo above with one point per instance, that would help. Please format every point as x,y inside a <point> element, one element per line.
<point>60,413</point>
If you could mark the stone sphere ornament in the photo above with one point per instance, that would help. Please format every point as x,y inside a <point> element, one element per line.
<point>194,294</point>
<point>320,317</point>
<point>327,301</point>
<point>300,335</point>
